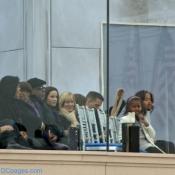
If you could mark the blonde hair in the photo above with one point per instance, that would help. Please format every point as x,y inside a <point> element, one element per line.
<point>71,116</point>
<point>65,96</point>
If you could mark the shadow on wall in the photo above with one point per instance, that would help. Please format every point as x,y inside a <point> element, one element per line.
<point>130,7</point>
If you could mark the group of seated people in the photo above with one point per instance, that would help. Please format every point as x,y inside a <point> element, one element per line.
<point>36,117</point>
<point>137,111</point>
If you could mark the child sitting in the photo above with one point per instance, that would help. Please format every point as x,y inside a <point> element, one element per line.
<point>135,113</point>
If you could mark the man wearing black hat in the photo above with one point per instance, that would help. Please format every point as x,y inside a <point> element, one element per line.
<point>37,99</point>
<point>37,87</point>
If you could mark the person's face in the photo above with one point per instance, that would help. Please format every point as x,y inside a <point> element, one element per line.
<point>135,106</point>
<point>24,135</point>
<point>24,96</point>
<point>69,105</point>
<point>52,98</point>
<point>95,103</point>
<point>39,92</point>
<point>148,104</point>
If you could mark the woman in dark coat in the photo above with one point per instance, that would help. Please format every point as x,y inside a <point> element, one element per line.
<point>12,108</point>
<point>51,99</point>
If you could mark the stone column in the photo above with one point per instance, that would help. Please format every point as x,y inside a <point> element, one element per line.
<point>37,38</point>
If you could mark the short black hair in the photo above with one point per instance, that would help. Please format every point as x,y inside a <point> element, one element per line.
<point>93,95</point>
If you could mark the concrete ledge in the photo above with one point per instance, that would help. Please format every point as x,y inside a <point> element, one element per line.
<point>85,163</point>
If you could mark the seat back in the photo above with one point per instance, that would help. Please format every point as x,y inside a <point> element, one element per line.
<point>112,127</point>
<point>118,129</point>
<point>112,130</point>
<point>91,118</point>
<point>91,140</point>
<point>84,127</point>
<point>119,125</point>
<point>102,119</point>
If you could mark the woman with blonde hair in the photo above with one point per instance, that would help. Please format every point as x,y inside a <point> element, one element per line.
<point>67,107</point>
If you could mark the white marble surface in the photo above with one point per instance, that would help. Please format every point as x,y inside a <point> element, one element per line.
<point>37,29</point>
<point>75,70</point>
<point>76,23</point>
<point>11,24</point>
<point>11,63</point>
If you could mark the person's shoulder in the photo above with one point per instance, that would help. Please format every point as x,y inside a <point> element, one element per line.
<point>23,105</point>
<point>63,118</point>
<point>36,99</point>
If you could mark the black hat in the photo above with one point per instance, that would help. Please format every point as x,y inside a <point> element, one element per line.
<point>36,82</point>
